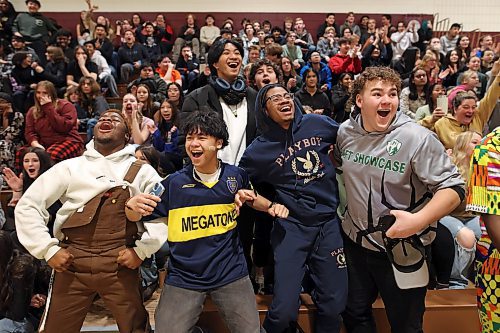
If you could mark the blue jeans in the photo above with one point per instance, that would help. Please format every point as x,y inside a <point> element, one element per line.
<point>463,256</point>
<point>10,326</point>
<point>179,309</point>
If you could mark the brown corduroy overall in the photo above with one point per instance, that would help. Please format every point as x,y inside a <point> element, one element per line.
<point>95,236</point>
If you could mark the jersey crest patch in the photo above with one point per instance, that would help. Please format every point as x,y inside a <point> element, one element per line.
<point>393,147</point>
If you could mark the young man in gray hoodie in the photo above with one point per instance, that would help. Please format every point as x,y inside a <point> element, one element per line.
<point>391,166</point>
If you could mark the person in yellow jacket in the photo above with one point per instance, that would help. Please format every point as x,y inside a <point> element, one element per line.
<point>465,114</point>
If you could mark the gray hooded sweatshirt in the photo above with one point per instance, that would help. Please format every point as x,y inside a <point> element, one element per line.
<point>400,168</point>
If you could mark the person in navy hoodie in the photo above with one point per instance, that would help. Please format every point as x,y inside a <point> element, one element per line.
<point>295,149</point>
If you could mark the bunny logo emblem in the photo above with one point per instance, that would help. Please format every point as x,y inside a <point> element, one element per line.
<point>307,167</point>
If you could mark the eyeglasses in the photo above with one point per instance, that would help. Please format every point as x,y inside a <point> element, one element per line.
<point>276,98</point>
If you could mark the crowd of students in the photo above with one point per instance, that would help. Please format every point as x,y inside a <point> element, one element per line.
<point>334,134</point>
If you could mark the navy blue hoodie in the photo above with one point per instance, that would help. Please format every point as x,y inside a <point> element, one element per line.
<point>296,163</point>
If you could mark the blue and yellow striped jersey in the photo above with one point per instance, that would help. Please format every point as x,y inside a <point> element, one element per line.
<point>205,248</point>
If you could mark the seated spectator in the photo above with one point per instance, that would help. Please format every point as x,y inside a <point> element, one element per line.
<point>311,95</point>
<point>249,38</point>
<point>487,60</point>
<point>450,38</point>
<point>341,101</point>
<point>266,26</point>
<point>7,16</point>
<point>92,105</point>
<point>349,24</point>
<point>425,36</point>
<point>292,51</point>
<point>175,94</point>
<point>104,45</point>
<point>146,105</point>
<point>273,52</point>
<point>287,25</point>
<point>430,64</point>
<point>63,40</point>
<point>464,49</point>
<point>278,36</point>
<point>405,65</point>
<point>166,70</point>
<point>11,134</point>
<point>56,69</point>
<point>304,38</point>
<point>377,50</point>
<point>149,36</point>
<point>80,66</point>
<point>189,67</point>
<point>253,55</point>
<point>190,35</point>
<point>451,68</point>
<point>208,33</point>
<point>104,74</point>
<point>485,43</point>
<point>24,80</point>
<point>157,86</point>
<point>138,124</point>
<point>52,124</point>
<point>430,108</point>
<point>414,96</point>
<point>329,23</point>
<point>474,64</point>
<point>434,46</point>
<point>321,69</point>
<point>261,35</point>
<point>465,114</point>
<point>403,39</point>
<point>19,45</point>
<point>327,46</point>
<point>136,20</point>
<point>345,61</point>
<point>467,81</point>
<point>263,72</point>
<point>131,56</point>
<point>166,135</point>
<point>463,226</point>
<point>291,80</point>
<point>166,42</point>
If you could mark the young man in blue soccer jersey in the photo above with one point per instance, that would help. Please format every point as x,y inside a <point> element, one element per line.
<point>200,204</point>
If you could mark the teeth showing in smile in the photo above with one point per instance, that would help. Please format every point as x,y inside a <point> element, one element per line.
<point>286,109</point>
<point>233,64</point>
<point>196,153</point>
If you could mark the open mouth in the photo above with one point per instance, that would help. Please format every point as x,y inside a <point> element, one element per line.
<point>233,65</point>
<point>383,113</point>
<point>31,170</point>
<point>266,81</point>
<point>286,108</point>
<point>196,154</point>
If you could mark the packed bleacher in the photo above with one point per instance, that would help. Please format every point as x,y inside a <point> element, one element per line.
<point>56,83</point>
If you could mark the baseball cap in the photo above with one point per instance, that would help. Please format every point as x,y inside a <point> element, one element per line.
<point>407,256</point>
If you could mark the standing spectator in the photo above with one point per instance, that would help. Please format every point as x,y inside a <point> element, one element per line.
<point>483,198</point>
<point>208,33</point>
<point>52,124</point>
<point>449,40</point>
<point>34,27</point>
<point>189,33</point>
<point>403,39</point>
<point>345,61</point>
<point>131,55</point>
<point>104,45</point>
<point>386,21</point>
<point>329,23</point>
<point>104,73</point>
<point>303,177</point>
<point>166,42</point>
<point>424,35</point>
<point>416,194</point>
<point>377,50</point>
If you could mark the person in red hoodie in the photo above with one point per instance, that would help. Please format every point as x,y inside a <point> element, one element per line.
<point>52,124</point>
<point>345,61</point>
